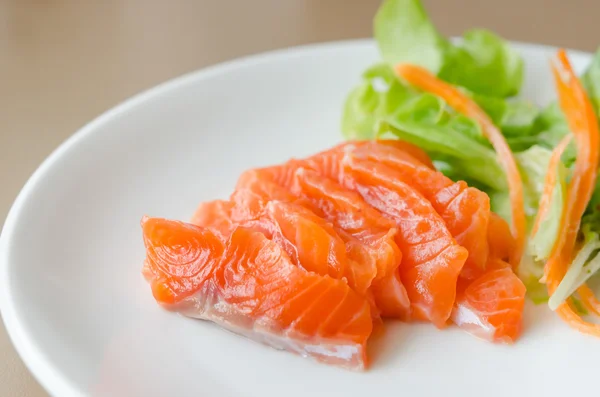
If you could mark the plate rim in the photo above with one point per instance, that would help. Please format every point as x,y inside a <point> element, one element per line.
<point>52,379</point>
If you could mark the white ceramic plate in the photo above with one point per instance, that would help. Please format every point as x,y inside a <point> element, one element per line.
<point>83,319</point>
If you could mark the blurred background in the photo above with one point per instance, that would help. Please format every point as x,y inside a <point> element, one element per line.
<point>62,63</point>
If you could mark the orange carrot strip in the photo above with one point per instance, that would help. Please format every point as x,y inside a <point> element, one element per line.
<point>549,182</point>
<point>421,78</point>
<point>588,299</point>
<point>582,122</point>
<point>568,315</point>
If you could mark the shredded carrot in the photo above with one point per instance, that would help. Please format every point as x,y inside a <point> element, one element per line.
<point>575,321</point>
<point>588,299</point>
<point>582,122</point>
<point>549,182</point>
<point>424,80</point>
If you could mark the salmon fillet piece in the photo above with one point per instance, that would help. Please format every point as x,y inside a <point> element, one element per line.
<point>368,235</point>
<point>309,241</point>
<point>432,260</point>
<point>465,210</point>
<point>491,306</point>
<point>247,284</point>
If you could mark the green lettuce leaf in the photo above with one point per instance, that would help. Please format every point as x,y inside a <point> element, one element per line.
<point>381,106</point>
<point>482,62</point>
<point>404,33</point>
<point>540,245</point>
<point>378,95</point>
<point>516,118</point>
<point>533,165</point>
<point>530,272</point>
<point>550,128</point>
<point>359,118</point>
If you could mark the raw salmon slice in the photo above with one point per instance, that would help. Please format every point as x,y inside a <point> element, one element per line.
<point>432,260</point>
<point>307,239</point>
<point>247,284</point>
<point>414,151</point>
<point>179,258</point>
<point>491,306</point>
<point>362,269</point>
<point>343,208</point>
<point>368,235</point>
<point>308,232</point>
<point>465,210</point>
<point>215,215</point>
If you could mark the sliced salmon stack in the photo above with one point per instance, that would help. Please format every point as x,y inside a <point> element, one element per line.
<point>345,209</point>
<point>408,148</point>
<point>215,215</point>
<point>361,270</point>
<point>490,297</point>
<point>465,210</point>
<point>491,306</point>
<point>308,255</point>
<point>248,285</point>
<point>432,260</point>
<point>307,239</point>
<point>369,237</point>
<point>414,151</point>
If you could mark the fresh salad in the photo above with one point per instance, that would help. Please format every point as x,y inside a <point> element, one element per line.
<point>459,102</point>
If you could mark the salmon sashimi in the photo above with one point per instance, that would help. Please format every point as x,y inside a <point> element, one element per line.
<point>310,241</point>
<point>491,306</point>
<point>369,237</point>
<point>369,234</point>
<point>215,215</point>
<point>465,210</point>
<point>414,151</point>
<point>307,239</point>
<point>248,285</point>
<point>432,260</point>
<point>343,208</point>
<point>360,271</point>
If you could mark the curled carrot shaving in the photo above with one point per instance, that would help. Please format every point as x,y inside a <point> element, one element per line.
<point>421,78</point>
<point>549,182</point>
<point>588,299</point>
<point>568,315</point>
<point>582,122</point>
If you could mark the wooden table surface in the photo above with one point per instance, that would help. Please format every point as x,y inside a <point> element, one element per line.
<point>62,63</point>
